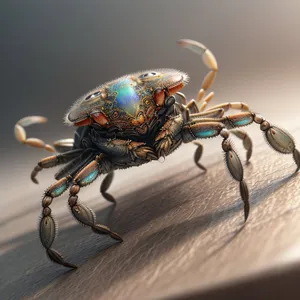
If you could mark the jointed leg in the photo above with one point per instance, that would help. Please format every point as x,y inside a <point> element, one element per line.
<point>80,211</point>
<point>48,227</point>
<point>20,132</point>
<point>105,186</point>
<point>279,140</point>
<point>211,62</point>
<point>196,130</point>
<point>230,105</point>
<point>247,142</point>
<point>197,156</point>
<point>55,160</point>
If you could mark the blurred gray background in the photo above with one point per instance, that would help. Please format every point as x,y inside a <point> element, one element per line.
<point>52,52</point>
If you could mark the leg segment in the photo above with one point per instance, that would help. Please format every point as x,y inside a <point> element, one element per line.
<point>209,60</point>
<point>247,142</point>
<point>197,156</point>
<point>229,105</point>
<point>20,132</point>
<point>105,186</point>
<point>191,132</point>
<point>52,161</point>
<point>280,140</point>
<point>80,211</point>
<point>63,145</point>
<point>48,227</point>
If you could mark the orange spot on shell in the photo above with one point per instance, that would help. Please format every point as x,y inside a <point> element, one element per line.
<point>159,96</point>
<point>174,89</point>
<point>84,122</point>
<point>100,118</point>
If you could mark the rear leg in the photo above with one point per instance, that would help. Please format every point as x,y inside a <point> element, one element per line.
<point>177,132</point>
<point>105,186</point>
<point>201,130</point>
<point>198,155</point>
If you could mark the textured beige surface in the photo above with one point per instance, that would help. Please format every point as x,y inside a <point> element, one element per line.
<point>183,231</point>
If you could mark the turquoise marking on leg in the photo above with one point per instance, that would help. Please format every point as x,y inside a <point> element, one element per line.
<point>59,190</point>
<point>243,122</point>
<point>90,178</point>
<point>206,133</point>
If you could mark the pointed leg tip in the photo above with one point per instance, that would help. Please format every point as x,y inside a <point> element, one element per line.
<point>71,266</point>
<point>34,180</point>
<point>117,237</point>
<point>246,214</point>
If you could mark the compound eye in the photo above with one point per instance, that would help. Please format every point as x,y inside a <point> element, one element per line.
<point>148,75</point>
<point>94,95</point>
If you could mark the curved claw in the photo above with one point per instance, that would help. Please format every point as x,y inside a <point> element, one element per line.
<point>34,173</point>
<point>198,48</point>
<point>142,152</point>
<point>102,229</point>
<point>20,133</point>
<point>163,146</point>
<point>56,257</point>
<point>197,156</point>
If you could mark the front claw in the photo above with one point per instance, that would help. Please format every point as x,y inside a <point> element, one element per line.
<point>139,150</point>
<point>163,146</point>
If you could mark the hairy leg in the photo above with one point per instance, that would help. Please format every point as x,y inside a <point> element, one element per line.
<point>81,212</point>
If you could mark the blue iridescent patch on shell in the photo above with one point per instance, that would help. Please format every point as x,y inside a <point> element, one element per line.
<point>89,178</point>
<point>127,98</point>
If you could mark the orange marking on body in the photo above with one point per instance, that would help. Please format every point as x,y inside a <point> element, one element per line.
<point>84,122</point>
<point>174,89</point>
<point>159,97</point>
<point>100,118</point>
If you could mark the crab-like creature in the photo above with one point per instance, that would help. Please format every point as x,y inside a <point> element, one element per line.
<point>133,120</point>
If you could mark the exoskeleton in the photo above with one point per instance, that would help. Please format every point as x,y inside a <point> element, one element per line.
<point>133,120</point>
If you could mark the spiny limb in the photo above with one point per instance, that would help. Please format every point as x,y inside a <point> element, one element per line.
<point>81,212</point>
<point>236,170</point>
<point>198,155</point>
<point>279,139</point>
<point>105,186</point>
<point>191,132</point>
<point>86,216</point>
<point>52,161</point>
<point>21,136</point>
<point>247,142</point>
<point>48,228</point>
